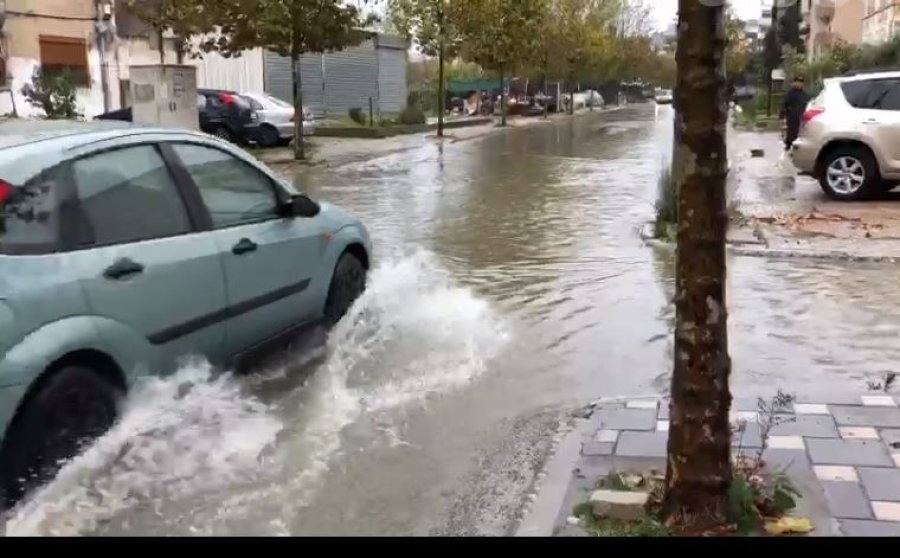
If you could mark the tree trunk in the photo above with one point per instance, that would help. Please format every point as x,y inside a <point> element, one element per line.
<point>299,147</point>
<point>546,95</point>
<point>698,474</point>
<point>502,99</point>
<point>162,46</point>
<point>442,90</point>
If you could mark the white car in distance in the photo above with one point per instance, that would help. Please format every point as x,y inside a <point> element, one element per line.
<point>276,119</point>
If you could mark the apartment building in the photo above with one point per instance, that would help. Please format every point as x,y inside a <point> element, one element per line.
<point>87,38</point>
<point>881,22</point>
<point>831,21</point>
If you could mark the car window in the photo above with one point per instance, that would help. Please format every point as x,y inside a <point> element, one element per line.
<point>201,101</point>
<point>30,215</point>
<point>127,195</point>
<point>891,99</point>
<point>866,94</point>
<point>234,192</point>
<point>254,104</point>
<point>278,102</point>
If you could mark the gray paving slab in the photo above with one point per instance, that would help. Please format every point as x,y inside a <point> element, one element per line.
<point>891,437</point>
<point>624,419</point>
<point>881,484</point>
<point>863,453</point>
<point>749,439</point>
<point>594,449</point>
<point>810,426</point>
<point>642,444</point>
<point>846,415</point>
<point>863,528</point>
<point>846,500</point>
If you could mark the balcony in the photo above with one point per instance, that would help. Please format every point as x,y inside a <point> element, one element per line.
<point>824,11</point>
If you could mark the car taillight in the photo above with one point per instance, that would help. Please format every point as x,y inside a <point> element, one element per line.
<point>227,99</point>
<point>810,114</point>
<point>6,189</point>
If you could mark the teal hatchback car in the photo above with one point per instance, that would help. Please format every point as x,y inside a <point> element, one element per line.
<point>123,249</point>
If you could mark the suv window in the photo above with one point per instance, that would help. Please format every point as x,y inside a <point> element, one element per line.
<point>234,192</point>
<point>128,195</point>
<point>868,94</point>
<point>891,99</point>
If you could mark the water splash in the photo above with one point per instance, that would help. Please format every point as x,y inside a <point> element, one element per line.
<point>195,454</point>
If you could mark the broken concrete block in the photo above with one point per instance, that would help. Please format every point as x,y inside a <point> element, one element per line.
<point>624,506</point>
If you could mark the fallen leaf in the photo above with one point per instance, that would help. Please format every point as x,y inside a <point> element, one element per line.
<point>789,525</point>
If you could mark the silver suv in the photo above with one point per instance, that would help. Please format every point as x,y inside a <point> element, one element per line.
<point>850,136</point>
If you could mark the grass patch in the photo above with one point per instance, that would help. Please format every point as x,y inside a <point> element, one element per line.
<point>665,225</point>
<point>605,527</point>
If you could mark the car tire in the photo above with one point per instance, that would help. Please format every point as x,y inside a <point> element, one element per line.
<point>284,142</point>
<point>223,133</point>
<point>850,173</point>
<point>71,408</point>
<point>268,137</point>
<point>347,284</point>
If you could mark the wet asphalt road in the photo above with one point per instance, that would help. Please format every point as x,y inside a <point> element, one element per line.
<point>512,286</point>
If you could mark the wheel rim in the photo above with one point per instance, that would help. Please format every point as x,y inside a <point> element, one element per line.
<point>846,175</point>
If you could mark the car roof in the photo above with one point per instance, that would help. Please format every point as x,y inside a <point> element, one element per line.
<point>65,134</point>
<point>866,76</point>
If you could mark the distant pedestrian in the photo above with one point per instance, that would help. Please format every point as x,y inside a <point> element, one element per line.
<point>792,110</point>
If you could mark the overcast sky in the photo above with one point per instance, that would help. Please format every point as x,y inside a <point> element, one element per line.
<point>664,11</point>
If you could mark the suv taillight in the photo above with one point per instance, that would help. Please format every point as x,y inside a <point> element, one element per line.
<point>810,114</point>
<point>6,190</point>
<point>227,99</point>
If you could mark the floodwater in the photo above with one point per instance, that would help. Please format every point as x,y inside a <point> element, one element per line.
<point>511,285</point>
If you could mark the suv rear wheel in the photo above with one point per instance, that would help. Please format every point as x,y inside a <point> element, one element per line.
<point>74,406</point>
<point>850,173</point>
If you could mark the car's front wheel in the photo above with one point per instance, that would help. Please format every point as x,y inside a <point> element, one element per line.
<point>850,173</point>
<point>71,408</point>
<point>268,136</point>
<point>347,284</point>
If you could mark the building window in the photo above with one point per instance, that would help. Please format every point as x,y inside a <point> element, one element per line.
<point>65,54</point>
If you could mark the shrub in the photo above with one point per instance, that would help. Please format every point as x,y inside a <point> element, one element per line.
<point>356,115</point>
<point>412,115</point>
<point>666,206</point>
<point>412,99</point>
<point>54,94</point>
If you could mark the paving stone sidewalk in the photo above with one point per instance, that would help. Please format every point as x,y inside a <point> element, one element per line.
<point>843,454</point>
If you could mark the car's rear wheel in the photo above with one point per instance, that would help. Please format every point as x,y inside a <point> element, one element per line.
<point>850,173</point>
<point>223,133</point>
<point>347,284</point>
<point>74,406</point>
<point>268,136</point>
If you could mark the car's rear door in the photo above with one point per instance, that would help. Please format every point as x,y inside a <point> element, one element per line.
<point>146,267</point>
<point>269,259</point>
<point>887,133</point>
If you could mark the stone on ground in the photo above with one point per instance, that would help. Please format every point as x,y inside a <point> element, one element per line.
<point>624,506</point>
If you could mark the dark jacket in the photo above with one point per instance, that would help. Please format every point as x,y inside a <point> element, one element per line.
<point>794,105</point>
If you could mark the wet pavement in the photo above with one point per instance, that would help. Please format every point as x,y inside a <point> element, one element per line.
<point>512,285</point>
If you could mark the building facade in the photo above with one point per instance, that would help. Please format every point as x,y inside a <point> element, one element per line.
<point>881,22</point>
<point>97,41</point>
<point>831,21</point>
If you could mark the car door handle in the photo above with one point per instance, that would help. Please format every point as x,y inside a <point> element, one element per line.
<point>870,121</point>
<point>122,268</point>
<point>243,246</point>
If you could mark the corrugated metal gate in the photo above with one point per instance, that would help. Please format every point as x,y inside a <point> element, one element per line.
<point>334,83</point>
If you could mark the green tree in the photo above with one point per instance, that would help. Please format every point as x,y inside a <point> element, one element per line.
<point>500,35</point>
<point>737,53</point>
<point>429,22</point>
<point>698,472</point>
<point>183,17</point>
<point>290,28</point>
<point>789,26</point>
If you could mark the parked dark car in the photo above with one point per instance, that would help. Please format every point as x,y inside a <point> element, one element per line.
<point>224,114</point>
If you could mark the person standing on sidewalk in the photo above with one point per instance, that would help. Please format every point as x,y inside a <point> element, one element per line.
<point>792,110</point>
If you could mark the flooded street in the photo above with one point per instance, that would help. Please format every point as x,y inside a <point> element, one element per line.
<point>511,286</point>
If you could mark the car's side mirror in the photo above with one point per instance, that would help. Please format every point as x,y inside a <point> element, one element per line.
<point>301,205</point>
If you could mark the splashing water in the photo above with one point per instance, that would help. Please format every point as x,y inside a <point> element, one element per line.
<point>194,454</point>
